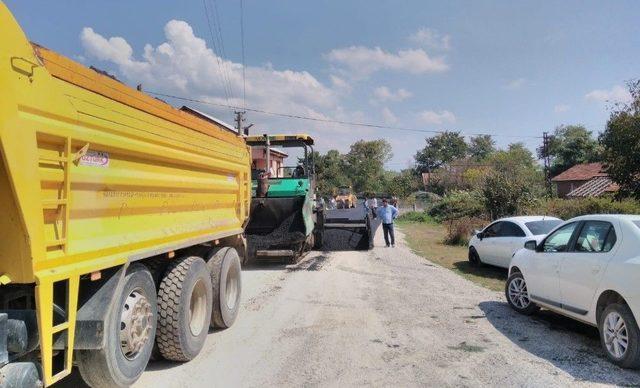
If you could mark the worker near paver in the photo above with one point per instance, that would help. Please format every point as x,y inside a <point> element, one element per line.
<point>387,214</point>
<point>373,205</point>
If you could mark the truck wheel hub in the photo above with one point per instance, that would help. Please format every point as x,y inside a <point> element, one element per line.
<point>135,324</point>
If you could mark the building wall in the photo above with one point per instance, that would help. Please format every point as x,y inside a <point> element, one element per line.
<point>565,187</point>
<point>258,157</point>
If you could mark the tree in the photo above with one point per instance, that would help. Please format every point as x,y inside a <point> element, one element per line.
<point>403,183</point>
<point>331,171</point>
<point>621,144</point>
<point>506,195</point>
<point>440,150</point>
<point>481,146</point>
<point>514,181</point>
<point>365,164</point>
<point>570,145</point>
<point>515,160</point>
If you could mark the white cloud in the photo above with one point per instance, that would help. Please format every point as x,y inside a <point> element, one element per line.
<point>560,108</point>
<point>616,94</point>
<point>340,83</point>
<point>431,38</point>
<point>433,117</point>
<point>383,93</point>
<point>388,116</point>
<point>364,61</point>
<point>515,84</point>
<point>184,65</point>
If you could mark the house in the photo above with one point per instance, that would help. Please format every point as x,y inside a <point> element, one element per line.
<point>276,159</point>
<point>584,180</point>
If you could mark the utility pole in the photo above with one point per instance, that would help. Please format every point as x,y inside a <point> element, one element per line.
<point>242,130</point>
<point>547,162</point>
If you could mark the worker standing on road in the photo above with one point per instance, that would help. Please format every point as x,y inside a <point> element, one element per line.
<point>373,205</point>
<point>387,214</point>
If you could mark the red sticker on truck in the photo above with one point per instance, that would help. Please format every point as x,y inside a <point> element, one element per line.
<point>95,159</point>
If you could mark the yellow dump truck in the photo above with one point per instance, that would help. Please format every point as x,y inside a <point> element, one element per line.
<point>121,222</point>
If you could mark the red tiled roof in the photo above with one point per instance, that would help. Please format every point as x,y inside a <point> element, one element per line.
<point>581,172</point>
<point>594,187</point>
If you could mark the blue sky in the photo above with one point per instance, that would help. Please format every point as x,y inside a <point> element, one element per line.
<point>508,68</point>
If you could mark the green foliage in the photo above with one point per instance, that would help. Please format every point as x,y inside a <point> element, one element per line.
<point>570,145</point>
<point>365,164</point>
<point>416,217</point>
<point>481,146</point>
<point>458,204</point>
<point>441,149</point>
<point>361,168</point>
<point>621,144</point>
<point>569,208</point>
<point>506,194</point>
<point>403,184</point>
<point>330,169</point>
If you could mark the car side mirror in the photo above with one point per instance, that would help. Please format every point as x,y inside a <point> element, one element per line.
<point>480,235</point>
<point>531,245</point>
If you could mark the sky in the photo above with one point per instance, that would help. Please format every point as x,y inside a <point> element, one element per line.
<point>512,69</point>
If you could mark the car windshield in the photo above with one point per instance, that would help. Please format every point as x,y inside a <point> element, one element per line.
<point>637,223</point>
<point>542,227</point>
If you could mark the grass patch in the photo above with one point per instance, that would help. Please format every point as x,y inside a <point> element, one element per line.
<point>426,240</point>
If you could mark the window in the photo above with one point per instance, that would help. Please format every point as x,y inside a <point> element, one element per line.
<point>542,227</point>
<point>558,240</point>
<point>509,229</point>
<point>493,230</point>
<point>596,236</point>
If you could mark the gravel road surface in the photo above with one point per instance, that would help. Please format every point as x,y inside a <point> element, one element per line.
<point>386,317</point>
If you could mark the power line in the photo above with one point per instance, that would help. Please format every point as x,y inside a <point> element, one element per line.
<point>329,121</point>
<point>226,85</point>
<point>220,37</point>
<point>244,78</point>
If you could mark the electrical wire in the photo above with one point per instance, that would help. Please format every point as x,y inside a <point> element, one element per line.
<point>329,121</point>
<point>220,37</point>
<point>244,78</point>
<point>226,85</point>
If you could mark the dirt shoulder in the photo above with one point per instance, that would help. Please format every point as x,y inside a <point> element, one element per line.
<point>425,239</point>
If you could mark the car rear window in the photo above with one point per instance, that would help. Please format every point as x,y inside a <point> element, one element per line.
<point>542,227</point>
<point>637,223</point>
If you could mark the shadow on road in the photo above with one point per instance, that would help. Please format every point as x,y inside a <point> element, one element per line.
<point>569,345</point>
<point>486,271</point>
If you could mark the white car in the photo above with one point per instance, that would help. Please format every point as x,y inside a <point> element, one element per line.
<point>588,269</point>
<point>497,243</point>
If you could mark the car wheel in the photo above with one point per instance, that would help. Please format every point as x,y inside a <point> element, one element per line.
<point>474,258</point>
<point>620,336</point>
<point>518,296</point>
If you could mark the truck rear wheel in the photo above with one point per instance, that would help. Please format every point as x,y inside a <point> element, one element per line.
<point>226,280</point>
<point>129,331</point>
<point>184,309</point>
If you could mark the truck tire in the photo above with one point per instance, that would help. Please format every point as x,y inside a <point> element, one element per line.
<point>126,354</point>
<point>226,279</point>
<point>184,309</point>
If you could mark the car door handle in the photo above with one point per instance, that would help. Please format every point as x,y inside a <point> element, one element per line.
<point>595,269</point>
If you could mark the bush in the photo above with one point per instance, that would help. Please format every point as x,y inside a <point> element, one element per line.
<point>506,195</point>
<point>458,204</point>
<point>569,208</point>
<point>460,230</point>
<point>416,217</point>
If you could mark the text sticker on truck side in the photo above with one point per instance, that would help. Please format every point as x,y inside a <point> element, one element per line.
<point>95,159</point>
